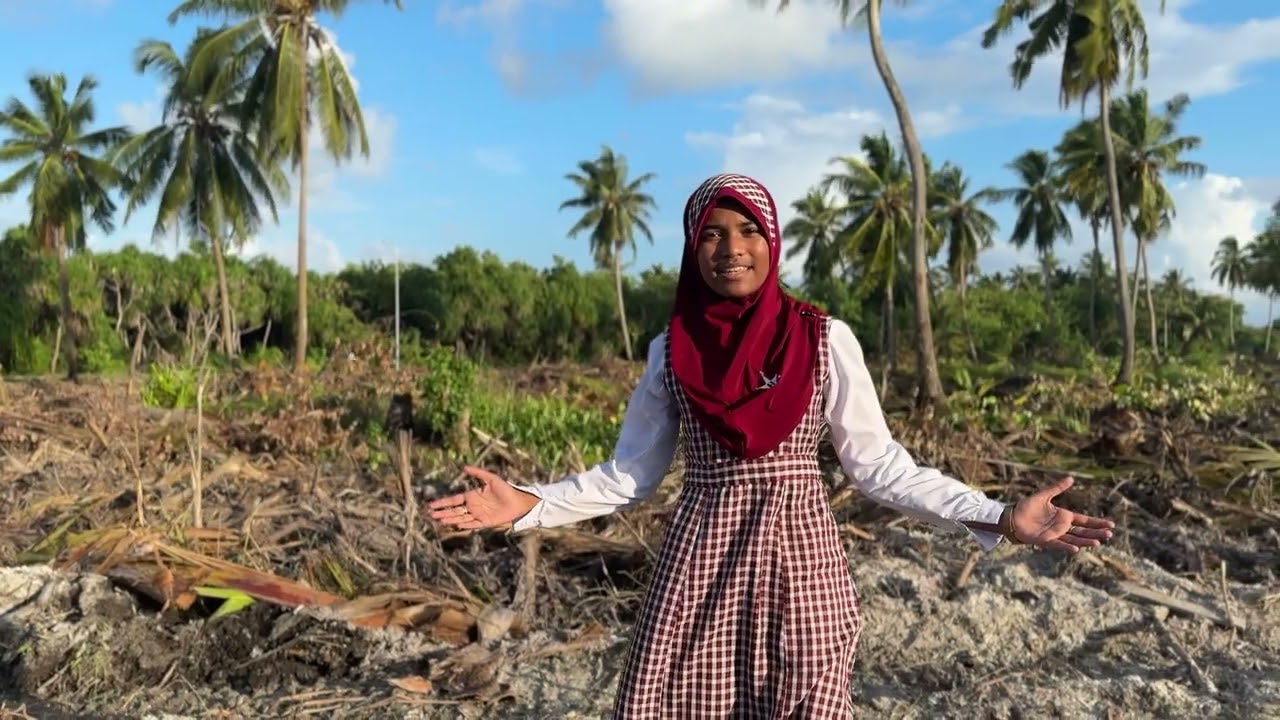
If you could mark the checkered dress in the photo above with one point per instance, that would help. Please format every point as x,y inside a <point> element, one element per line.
<point>751,612</point>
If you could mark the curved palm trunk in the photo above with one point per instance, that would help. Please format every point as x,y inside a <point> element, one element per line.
<point>300,323</point>
<point>224,295</point>
<point>622,310</point>
<point>1117,238</point>
<point>929,392</point>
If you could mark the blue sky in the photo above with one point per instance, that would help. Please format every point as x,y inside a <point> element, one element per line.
<point>476,110</point>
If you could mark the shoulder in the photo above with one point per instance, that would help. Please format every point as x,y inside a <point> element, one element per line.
<point>658,347</point>
<point>657,354</point>
<point>842,342</point>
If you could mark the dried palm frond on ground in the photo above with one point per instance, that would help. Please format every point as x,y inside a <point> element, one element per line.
<point>350,614</point>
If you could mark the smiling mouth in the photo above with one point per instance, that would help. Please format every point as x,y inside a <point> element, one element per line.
<point>733,272</point>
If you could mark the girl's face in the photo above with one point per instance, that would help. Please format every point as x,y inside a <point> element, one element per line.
<point>732,252</point>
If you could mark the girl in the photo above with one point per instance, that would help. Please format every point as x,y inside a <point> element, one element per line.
<point>752,612</point>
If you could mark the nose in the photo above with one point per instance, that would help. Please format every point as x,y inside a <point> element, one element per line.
<point>734,243</point>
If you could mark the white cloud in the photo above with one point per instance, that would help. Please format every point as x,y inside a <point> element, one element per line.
<point>497,161</point>
<point>323,255</point>
<point>142,115</point>
<point>1210,209</point>
<point>788,147</point>
<point>679,45</point>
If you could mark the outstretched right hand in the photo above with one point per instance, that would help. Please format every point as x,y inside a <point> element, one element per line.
<point>496,503</point>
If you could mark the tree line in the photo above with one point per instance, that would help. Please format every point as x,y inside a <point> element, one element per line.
<point>133,307</point>
<point>881,226</point>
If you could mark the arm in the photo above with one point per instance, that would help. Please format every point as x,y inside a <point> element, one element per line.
<point>883,469</point>
<point>646,445</point>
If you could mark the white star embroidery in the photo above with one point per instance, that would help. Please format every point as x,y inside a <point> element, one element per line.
<point>767,381</point>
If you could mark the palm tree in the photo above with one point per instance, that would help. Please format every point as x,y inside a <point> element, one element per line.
<point>1230,268</point>
<point>614,208</point>
<point>1041,219</point>
<point>877,204</point>
<point>966,228</point>
<point>69,182</point>
<point>1263,254</point>
<point>1175,296</point>
<point>1098,40</point>
<point>203,160</point>
<point>929,392</point>
<point>1148,148</point>
<point>296,78</point>
<point>813,231</point>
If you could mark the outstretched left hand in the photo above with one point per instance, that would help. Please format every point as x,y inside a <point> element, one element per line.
<point>1035,520</point>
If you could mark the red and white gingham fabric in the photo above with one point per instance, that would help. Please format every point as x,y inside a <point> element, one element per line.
<point>751,613</point>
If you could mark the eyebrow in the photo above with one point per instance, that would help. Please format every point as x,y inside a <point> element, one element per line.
<point>721,226</point>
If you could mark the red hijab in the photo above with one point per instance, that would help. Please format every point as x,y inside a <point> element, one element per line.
<point>746,365</point>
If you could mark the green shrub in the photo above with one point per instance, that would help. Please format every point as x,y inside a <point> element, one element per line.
<point>170,386</point>
<point>448,389</point>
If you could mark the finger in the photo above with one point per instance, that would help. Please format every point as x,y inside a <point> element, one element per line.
<point>1091,522</point>
<point>1086,532</point>
<point>448,501</point>
<point>1080,542</point>
<point>1058,488</point>
<point>484,476</point>
<point>450,512</point>
<point>1059,546</point>
<point>453,521</point>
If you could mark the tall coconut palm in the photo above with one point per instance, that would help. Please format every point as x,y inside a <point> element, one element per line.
<point>929,390</point>
<point>1099,41</point>
<point>296,78</point>
<point>1148,148</point>
<point>64,162</point>
<point>203,160</point>
<point>1263,254</point>
<point>1230,269</point>
<point>877,202</point>
<point>812,231</point>
<point>1039,199</point>
<point>966,229</point>
<point>615,208</point>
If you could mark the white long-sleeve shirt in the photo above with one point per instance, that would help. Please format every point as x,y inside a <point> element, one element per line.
<point>881,468</point>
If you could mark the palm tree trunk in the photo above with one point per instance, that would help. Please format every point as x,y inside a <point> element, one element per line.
<point>64,296</point>
<point>1117,238</point>
<point>1271,306</point>
<point>1231,320</point>
<point>224,295</point>
<point>622,309</point>
<point>1153,329</point>
<point>964,318</point>
<point>1046,280</point>
<point>1093,282</point>
<point>890,342</point>
<point>300,323</point>
<point>929,392</point>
